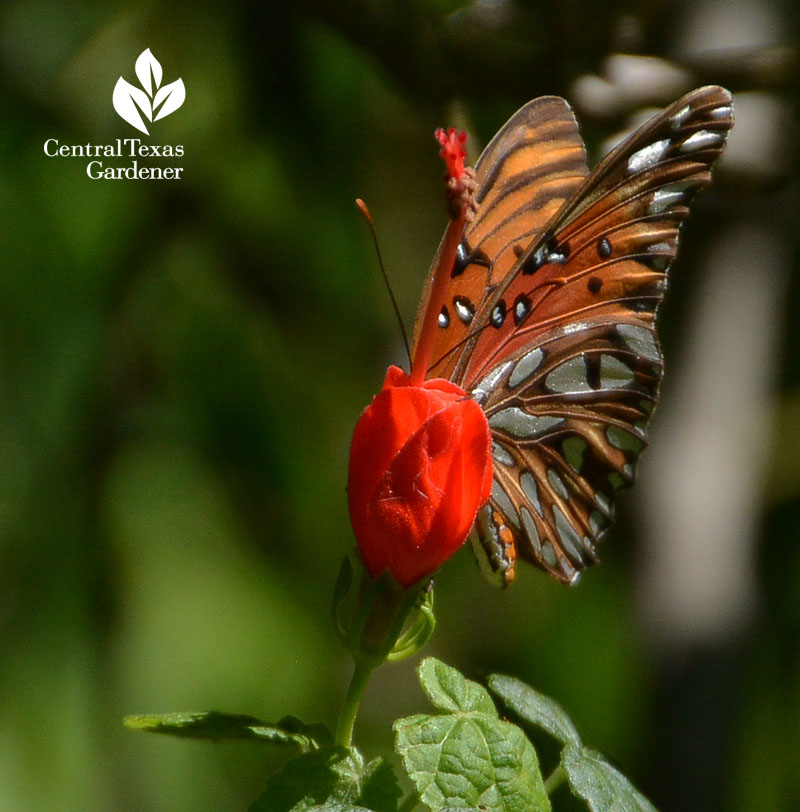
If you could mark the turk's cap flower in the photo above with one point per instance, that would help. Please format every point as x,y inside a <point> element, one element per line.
<point>461,185</point>
<point>420,469</point>
<point>453,150</point>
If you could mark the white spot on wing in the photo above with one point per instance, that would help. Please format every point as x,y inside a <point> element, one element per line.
<point>701,140</point>
<point>678,118</point>
<point>568,570</point>
<point>463,311</point>
<point>664,198</point>
<point>648,156</point>
<point>720,112</point>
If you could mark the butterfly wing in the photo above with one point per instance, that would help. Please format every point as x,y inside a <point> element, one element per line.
<point>568,418</point>
<point>527,172</point>
<point>562,353</point>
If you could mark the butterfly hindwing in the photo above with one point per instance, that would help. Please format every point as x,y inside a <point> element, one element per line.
<point>569,376</point>
<point>568,419</point>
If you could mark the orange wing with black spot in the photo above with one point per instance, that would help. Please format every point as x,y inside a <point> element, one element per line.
<point>525,175</point>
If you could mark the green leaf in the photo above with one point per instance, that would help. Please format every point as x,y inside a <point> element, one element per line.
<point>334,807</point>
<point>536,708</point>
<point>449,691</point>
<point>590,776</point>
<point>327,777</point>
<point>467,757</point>
<point>602,786</point>
<point>380,790</point>
<point>215,726</point>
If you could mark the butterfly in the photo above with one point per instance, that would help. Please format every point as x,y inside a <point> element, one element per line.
<point>548,320</point>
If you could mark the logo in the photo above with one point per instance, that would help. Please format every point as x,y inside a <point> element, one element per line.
<point>154,100</point>
<point>131,158</point>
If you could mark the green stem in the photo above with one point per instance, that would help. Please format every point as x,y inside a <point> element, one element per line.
<point>352,701</point>
<point>554,780</point>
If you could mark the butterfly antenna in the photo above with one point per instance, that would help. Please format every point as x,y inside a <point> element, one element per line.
<point>368,217</point>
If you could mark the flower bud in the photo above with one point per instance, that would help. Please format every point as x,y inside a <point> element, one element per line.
<point>420,468</point>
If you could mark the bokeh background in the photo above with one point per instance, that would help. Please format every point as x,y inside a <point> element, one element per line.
<point>181,364</point>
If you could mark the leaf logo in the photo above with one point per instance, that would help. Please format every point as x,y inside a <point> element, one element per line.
<point>154,100</point>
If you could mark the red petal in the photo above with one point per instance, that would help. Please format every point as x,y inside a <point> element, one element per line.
<point>420,469</point>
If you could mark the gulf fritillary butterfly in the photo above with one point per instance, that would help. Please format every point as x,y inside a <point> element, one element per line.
<point>548,320</point>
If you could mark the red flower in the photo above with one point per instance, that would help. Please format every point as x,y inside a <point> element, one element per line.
<point>420,468</point>
<point>453,150</point>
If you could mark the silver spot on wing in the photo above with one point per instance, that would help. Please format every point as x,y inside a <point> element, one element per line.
<point>640,340</point>
<point>501,455</point>
<point>526,366</point>
<point>465,310</point>
<point>502,500</point>
<point>487,384</point>
<point>614,374</point>
<point>531,490</point>
<point>648,156</point>
<point>518,423</point>
<point>554,478</point>
<point>603,502</point>
<point>569,377</point>
<point>701,140</point>
<point>664,198</point>
<point>549,554</point>
<point>570,540</point>
<point>531,532</point>
<point>678,118</point>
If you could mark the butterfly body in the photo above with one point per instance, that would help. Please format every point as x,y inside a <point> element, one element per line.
<point>547,318</point>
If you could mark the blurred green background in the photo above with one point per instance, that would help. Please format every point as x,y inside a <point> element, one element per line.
<point>182,362</point>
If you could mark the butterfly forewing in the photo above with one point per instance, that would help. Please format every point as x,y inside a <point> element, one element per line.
<point>581,263</point>
<point>569,375</point>
<point>526,173</point>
